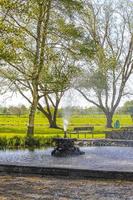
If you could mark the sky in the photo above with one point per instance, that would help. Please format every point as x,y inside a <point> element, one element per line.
<point>71,98</point>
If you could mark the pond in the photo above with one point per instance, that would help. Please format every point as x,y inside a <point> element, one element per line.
<point>95,158</point>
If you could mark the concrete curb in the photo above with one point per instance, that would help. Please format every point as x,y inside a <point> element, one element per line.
<point>67,172</point>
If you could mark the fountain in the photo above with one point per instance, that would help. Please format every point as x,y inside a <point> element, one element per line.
<point>108,162</point>
<point>65,146</point>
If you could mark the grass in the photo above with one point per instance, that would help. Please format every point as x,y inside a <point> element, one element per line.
<point>11,126</point>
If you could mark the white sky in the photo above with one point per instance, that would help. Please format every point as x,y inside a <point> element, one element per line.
<point>71,98</point>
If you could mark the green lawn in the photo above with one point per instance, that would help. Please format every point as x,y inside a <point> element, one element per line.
<point>13,125</point>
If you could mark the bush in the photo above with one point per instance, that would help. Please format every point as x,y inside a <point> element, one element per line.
<point>46,141</point>
<point>24,142</point>
<point>15,141</point>
<point>3,142</point>
<point>32,142</point>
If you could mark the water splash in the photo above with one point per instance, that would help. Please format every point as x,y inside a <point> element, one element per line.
<point>66,117</point>
<point>65,124</point>
<point>67,111</point>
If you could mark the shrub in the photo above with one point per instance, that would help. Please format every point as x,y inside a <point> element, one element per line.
<point>24,142</point>
<point>15,141</point>
<point>32,142</point>
<point>3,142</point>
<point>46,141</point>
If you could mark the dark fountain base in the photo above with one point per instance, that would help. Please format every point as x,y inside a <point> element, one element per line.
<point>65,147</point>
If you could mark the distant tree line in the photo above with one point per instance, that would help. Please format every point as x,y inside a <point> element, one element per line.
<point>19,110</point>
<point>14,110</point>
<point>127,108</point>
<point>23,110</point>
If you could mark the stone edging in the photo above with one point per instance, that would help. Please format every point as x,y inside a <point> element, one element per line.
<point>67,172</point>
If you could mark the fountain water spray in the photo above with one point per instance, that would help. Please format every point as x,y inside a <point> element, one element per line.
<point>65,146</point>
<point>67,112</point>
<point>65,126</point>
<point>66,119</point>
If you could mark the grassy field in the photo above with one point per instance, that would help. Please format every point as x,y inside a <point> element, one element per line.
<point>13,125</point>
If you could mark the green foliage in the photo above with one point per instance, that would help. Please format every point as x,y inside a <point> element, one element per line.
<point>72,5</point>
<point>32,142</point>
<point>98,81</point>
<point>24,142</point>
<point>3,142</point>
<point>15,141</point>
<point>8,4</point>
<point>69,30</point>
<point>127,108</point>
<point>87,50</point>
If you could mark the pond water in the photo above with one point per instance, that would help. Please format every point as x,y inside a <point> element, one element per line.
<point>96,158</point>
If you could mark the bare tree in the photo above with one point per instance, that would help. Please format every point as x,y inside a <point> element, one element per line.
<point>104,78</point>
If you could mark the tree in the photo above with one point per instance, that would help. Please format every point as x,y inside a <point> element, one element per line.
<point>52,86</point>
<point>17,110</point>
<point>105,76</point>
<point>59,77</point>
<point>32,30</point>
<point>127,108</point>
<point>30,19</point>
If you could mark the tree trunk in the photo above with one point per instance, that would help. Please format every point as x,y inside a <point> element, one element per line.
<point>30,130</point>
<point>48,114</point>
<point>52,124</point>
<point>52,121</point>
<point>109,120</point>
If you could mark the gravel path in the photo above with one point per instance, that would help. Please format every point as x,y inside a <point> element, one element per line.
<point>47,188</point>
